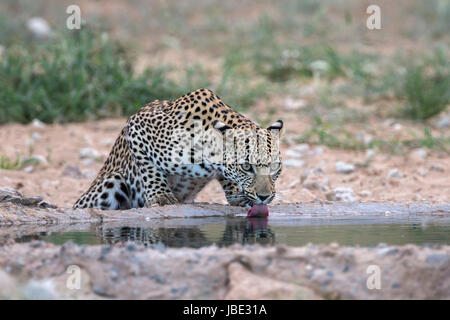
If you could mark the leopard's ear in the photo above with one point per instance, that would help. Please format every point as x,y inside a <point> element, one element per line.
<point>276,127</point>
<point>220,126</point>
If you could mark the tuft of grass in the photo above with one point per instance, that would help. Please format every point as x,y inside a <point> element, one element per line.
<point>77,76</point>
<point>426,94</point>
<point>7,163</point>
<point>324,133</point>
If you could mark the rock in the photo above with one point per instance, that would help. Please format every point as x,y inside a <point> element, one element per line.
<point>370,154</point>
<point>301,148</point>
<point>365,193</point>
<point>39,27</point>
<point>443,122</point>
<point>437,259</point>
<point>72,171</point>
<point>35,136</point>
<point>422,171</point>
<point>14,196</point>
<point>28,169</point>
<point>395,173</point>
<point>8,286</point>
<point>38,124</point>
<point>344,168</point>
<point>246,285</point>
<point>387,251</point>
<point>39,290</point>
<point>88,153</point>
<point>341,194</point>
<point>420,153</point>
<point>293,154</point>
<point>319,66</point>
<point>437,167</point>
<point>89,174</point>
<point>293,105</point>
<point>294,163</point>
<point>40,159</point>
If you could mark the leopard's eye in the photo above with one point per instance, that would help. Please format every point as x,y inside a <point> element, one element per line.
<point>275,166</point>
<point>246,166</point>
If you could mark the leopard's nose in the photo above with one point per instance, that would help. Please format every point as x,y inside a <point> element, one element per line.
<point>263,197</point>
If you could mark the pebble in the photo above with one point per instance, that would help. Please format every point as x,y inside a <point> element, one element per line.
<point>88,153</point>
<point>341,194</point>
<point>344,168</point>
<point>395,173</point>
<point>39,290</point>
<point>437,167</point>
<point>39,27</point>
<point>36,136</point>
<point>40,159</point>
<point>387,251</point>
<point>420,153</point>
<point>422,171</point>
<point>294,104</point>
<point>370,154</point>
<point>437,258</point>
<point>365,193</point>
<point>72,171</point>
<point>38,124</point>
<point>294,163</point>
<point>443,122</point>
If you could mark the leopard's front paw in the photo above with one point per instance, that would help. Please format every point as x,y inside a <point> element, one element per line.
<point>161,200</point>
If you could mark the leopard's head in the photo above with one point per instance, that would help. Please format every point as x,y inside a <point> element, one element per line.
<point>251,160</point>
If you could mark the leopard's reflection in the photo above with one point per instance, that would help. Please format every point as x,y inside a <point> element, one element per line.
<point>242,231</point>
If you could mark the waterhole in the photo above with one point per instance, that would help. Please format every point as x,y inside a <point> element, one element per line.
<point>222,232</point>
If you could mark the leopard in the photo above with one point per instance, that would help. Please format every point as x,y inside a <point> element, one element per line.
<point>169,150</point>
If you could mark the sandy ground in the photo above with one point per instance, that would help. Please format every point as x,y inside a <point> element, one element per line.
<point>310,272</point>
<point>63,174</point>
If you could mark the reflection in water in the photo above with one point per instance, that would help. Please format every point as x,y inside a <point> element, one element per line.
<point>224,232</point>
<point>243,231</point>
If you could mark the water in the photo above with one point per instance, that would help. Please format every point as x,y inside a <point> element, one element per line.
<point>290,231</point>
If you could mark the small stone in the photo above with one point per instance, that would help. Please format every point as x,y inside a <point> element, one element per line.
<point>72,171</point>
<point>293,154</point>
<point>28,169</point>
<point>294,163</point>
<point>344,168</point>
<point>370,154</point>
<point>89,174</point>
<point>39,290</point>
<point>443,122</point>
<point>341,194</point>
<point>422,171</point>
<point>38,159</point>
<point>387,251</point>
<point>437,167</point>
<point>88,153</point>
<point>365,193</point>
<point>39,27</point>
<point>437,259</point>
<point>35,136</point>
<point>420,153</point>
<point>294,104</point>
<point>38,124</point>
<point>395,173</point>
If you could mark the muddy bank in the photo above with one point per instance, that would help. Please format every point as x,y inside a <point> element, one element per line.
<point>17,214</point>
<point>39,270</point>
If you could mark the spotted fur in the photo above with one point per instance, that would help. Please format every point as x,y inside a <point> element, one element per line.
<point>147,165</point>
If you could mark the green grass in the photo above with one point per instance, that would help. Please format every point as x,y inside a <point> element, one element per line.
<point>7,163</point>
<point>325,133</point>
<point>78,76</point>
<point>426,94</point>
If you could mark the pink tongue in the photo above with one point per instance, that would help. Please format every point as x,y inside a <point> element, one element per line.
<point>258,210</point>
